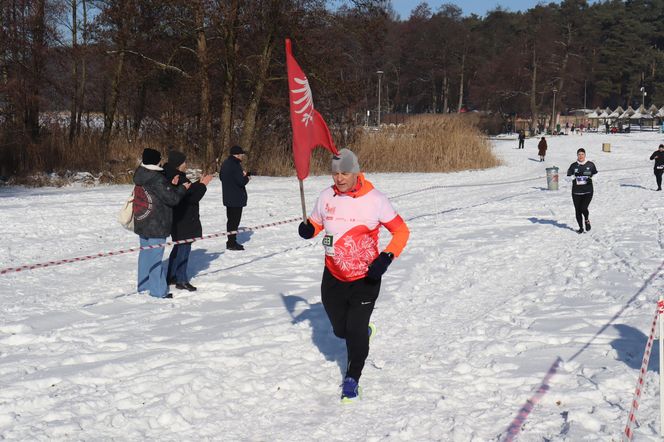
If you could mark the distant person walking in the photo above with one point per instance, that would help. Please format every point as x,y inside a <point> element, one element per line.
<point>541,148</point>
<point>658,156</point>
<point>234,193</point>
<point>522,139</point>
<point>582,172</point>
<point>350,213</point>
<point>154,197</point>
<point>186,220</point>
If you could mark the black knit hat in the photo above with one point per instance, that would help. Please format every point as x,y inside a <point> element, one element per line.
<point>176,158</point>
<point>236,150</point>
<point>151,156</point>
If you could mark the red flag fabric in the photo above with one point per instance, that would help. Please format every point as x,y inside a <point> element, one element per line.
<point>309,128</point>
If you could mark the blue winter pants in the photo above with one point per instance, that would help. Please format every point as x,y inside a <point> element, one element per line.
<point>178,263</point>
<point>151,272</point>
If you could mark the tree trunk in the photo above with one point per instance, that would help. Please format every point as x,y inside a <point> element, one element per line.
<point>109,115</point>
<point>205,134</point>
<point>31,117</point>
<point>463,66</point>
<point>533,92</point>
<point>563,64</point>
<point>230,44</point>
<point>139,110</point>
<point>74,73</point>
<point>122,39</point>
<point>81,90</point>
<point>4,76</point>
<point>434,94</point>
<point>446,92</point>
<point>249,127</point>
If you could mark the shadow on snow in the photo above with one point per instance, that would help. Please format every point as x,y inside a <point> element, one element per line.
<point>550,222</point>
<point>329,345</point>
<point>630,347</point>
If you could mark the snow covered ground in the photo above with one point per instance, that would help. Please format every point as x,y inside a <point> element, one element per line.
<point>495,301</point>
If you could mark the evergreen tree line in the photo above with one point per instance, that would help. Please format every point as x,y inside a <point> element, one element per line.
<point>202,75</point>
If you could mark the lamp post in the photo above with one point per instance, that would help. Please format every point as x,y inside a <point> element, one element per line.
<point>553,111</point>
<point>380,74</point>
<point>585,89</point>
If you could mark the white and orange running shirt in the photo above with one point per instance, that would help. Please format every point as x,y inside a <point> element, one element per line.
<point>351,222</point>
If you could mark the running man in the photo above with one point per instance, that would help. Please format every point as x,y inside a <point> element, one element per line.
<point>351,212</point>
<point>582,187</point>
<point>658,156</point>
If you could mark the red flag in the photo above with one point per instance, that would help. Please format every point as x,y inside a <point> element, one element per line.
<point>309,128</point>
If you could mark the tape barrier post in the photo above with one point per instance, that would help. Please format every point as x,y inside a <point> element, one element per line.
<point>631,418</point>
<point>660,306</point>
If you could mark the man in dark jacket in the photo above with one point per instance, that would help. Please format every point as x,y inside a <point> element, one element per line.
<point>233,188</point>
<point>154,198</point>
<point>658,156</point>
<point>186,220</point>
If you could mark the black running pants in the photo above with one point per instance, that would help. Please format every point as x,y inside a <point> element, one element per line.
<point>581,203</point>
<point>233,215</point>
<point>658,177</point>
<point>349,306</point>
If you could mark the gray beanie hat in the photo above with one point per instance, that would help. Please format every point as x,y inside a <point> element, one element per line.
<point>345,162</point>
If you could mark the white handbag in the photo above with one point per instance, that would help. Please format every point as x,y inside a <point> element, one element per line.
<point>126,215</point>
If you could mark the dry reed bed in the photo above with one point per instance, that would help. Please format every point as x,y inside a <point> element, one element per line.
<point>425,143</point>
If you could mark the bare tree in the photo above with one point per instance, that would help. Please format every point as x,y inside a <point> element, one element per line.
<point>76,93</point>
<point>269,14</point>
<point>227,27</point>
<point>204,80</point>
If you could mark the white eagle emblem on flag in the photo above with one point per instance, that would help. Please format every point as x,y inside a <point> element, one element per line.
<point>306,101</point>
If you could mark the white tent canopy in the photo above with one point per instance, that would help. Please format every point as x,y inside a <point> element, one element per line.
<point>605,113</point>
<point>628,113</point>
<point>641,114</point>
<point>617,113</point>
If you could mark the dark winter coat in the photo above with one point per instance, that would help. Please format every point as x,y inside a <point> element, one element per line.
<point>658,156</point>
<point>186,217</point>
<point>154,198</point>
<point>541,148</point>
<point>233,183</point>
<point>582,174</point>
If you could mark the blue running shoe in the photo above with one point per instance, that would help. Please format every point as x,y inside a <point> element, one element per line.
<point>350,391</point>
<point>372,330</point>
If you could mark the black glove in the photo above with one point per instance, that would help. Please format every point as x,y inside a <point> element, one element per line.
<point>306,230</point>
<point>379,266</point>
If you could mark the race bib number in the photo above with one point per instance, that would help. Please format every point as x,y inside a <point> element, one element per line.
<point>581,180</point>
<point>328,244</point>
<point>660,167</point>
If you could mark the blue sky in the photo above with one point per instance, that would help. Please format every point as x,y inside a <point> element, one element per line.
<point>479,7</point>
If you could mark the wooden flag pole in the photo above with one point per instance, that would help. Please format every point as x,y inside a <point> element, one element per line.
<point>304,207</point>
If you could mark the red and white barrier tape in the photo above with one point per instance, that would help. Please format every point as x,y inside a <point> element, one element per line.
<point>135,249</point>
<point>516,425</point>
<point>629,434</point>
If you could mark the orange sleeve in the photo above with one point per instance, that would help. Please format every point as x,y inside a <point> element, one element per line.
<point>317,227</point>
<point>400,234</point>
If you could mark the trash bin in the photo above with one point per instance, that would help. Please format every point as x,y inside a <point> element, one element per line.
<point>606,147</point>
<point>552,178</point>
